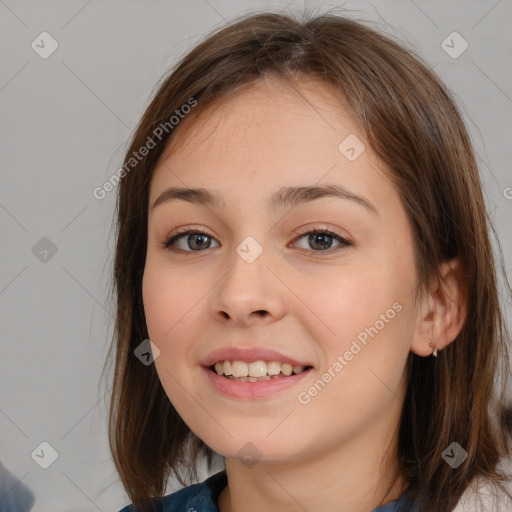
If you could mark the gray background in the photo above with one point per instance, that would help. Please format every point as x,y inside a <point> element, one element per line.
<point>66,121</point>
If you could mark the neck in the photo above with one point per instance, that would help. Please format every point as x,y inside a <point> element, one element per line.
<point>354,476</point>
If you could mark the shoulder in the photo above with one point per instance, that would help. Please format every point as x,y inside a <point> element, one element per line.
<point>15,496</point>
<point>487,496</point>
<point>201,497</point>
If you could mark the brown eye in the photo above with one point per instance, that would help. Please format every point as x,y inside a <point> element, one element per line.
<point>195,241</point>
<point>321,240</point>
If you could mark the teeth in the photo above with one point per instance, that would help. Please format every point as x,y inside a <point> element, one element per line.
<point>273,368</point>
<point>256,379</point>
<point>227,370</point>
<point>240,369</point>
<point>255,369</point>
<point>287,369</point>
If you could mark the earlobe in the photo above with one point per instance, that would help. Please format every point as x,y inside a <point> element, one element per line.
<point>433,346</point>
<point>442,311</point>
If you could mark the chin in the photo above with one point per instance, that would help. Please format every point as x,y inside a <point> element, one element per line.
<point>251,450</point>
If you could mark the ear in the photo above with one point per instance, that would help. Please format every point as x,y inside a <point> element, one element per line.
<point>442,310</point>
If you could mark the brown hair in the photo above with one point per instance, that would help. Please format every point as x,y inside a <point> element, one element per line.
<point>412,124</point>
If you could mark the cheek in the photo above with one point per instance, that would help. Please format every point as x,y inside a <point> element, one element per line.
<point>348,301</point>
<point>362,315</point>
<point>166,301</point>
<point>169,312</point>
<point>362,337</point>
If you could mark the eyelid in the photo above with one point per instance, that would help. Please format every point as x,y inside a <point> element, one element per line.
<point>190,230</point>
<point>323,228</point>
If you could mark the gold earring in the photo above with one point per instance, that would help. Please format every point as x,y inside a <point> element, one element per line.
<point>433,346</point>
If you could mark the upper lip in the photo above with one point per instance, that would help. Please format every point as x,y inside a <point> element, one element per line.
<point>248,355</point>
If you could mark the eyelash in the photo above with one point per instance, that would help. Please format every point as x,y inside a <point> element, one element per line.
<point>302,232</point>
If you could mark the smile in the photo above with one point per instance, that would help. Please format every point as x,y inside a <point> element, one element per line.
<point>256,371</point>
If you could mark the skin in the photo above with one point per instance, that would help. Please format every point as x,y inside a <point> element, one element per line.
<point>337,452</point>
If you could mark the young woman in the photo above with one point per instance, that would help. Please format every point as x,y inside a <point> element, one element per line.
<point>302,236</point>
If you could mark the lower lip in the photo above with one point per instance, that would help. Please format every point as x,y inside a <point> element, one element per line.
<point>252,390</point>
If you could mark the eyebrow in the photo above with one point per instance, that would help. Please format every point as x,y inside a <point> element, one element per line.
<point>284,197</point>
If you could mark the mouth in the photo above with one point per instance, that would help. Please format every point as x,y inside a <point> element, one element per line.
<point>256,371</point>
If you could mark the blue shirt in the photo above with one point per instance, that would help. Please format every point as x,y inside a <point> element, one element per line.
<point>14,495</point>
<point>203,498</point>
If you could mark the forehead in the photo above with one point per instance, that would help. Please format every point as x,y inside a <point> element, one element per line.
<point>272,104</point>
<point>268,135</point>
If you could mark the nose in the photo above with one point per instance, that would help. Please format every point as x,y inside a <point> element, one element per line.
<point>249,294</point>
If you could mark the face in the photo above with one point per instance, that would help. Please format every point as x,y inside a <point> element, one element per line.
<point>257,276</point>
